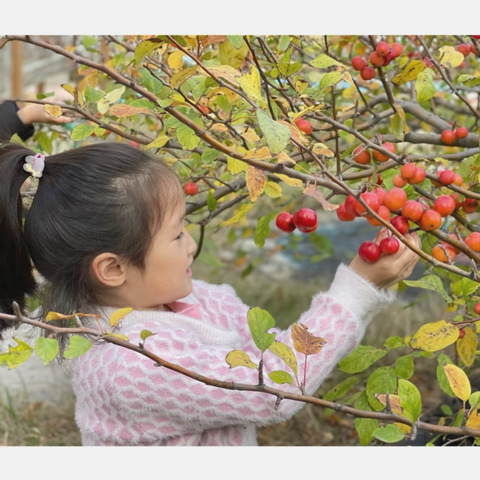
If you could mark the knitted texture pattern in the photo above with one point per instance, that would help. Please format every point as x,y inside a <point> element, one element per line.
<point>124,399</point>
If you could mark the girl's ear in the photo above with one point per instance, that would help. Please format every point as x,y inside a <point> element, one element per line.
<point>109,270</point>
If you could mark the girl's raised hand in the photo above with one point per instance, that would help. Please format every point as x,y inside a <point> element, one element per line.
<point>36,113</point>
<point>389,269</point>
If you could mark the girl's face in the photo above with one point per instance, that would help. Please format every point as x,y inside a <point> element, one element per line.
<point>167,276</point>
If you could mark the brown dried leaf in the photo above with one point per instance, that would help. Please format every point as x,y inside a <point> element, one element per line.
<point>255,182</point>
<point>394,402</point>
<point>304,341</point>
<point>262,153</point>
<point>312,191</point>
<point>122,110</point>
<point>213,39</point>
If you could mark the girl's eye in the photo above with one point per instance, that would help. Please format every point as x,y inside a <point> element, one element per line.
<point>180,236</point>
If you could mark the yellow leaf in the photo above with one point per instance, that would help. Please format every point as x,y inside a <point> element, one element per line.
<point>121,110</point>
<point>219,127</point>
<point>394,402</point>
<point>236,166</point>
<point>241,212</point>
<point>458,381</point>
<point>158,142</point>
<point>467,346</point>
<point>322,149</point>
<point>58,316</point>
<point>255,182</point>
<point>238,358</point>
<point>293,182</point>
<point>250,83</point>
<point>179,77</point>
<point>250,136</point>
<point>259,154</point>
<point>273,190</point>
<point>448,57</point>
<point>117,315</point>
<point>473,420</point>
<point>175,60</point>
<point>282,157</point>
<point>304,341</point>
<point>314,192</point>
<point>295,132</point>
<point>229,55</point>
<point>92,78</point>
<point>71,91</point>
<point>117,335</point>
<point>401,114</point>
<point>226,72</point>
<point>434,336</point>
<point>410,73</point>
<point>53,110</point>
<point>311,108</point>
<point>285,353</point>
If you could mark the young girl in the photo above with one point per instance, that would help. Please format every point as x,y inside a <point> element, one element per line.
<point>106,230</point>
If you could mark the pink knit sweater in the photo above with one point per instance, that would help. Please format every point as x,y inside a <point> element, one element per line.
<point>124,399</point>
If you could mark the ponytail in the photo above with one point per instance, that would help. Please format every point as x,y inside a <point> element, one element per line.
<point>16,276</point>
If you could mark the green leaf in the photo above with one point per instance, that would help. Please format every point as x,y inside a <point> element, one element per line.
<point>93,95</point>
<point>77,346</point>
<point>382,380</point>
<point>152,84</point>
<point>404,367</point>
<point>394,342</point>
<point>229,55</point>
<point>365,426</point>
<point>324,61</point>
<point>285,353</point>
<point>239,214</point>
<point>45,142</point>
<point>279,376</point>
<point>288,69</point>
<point>47,349</point>
<point>187,138</point>
<point>273,190</point>
<point>17,355</point>
<point>424,85</point>
<point>474,400</point>
<point>147,47</point>
<point>360,359</point>
<point>469,80</point>
<point>210,154</point>
<point>464,287</point>
<point>259,321</point>
<point>397,127</point>
<point>341,389</point>
<point>329,79</point>
<point>430,282</point>
<point>82,131</point>
<point>283,43</point>
<point>388,434</point>
<point>236,40</point>
<point>211,201</point>
<point>235,166</point>
<point>223,103</point>
<point>144,334</point>
<point>276,134</point>
<point>446,409</point>
<point>322,243</point>
<point>88,41</point>
<point>442,376</point>
<point>410,399</point>
<point>109,99</point>
<point>262,230</point>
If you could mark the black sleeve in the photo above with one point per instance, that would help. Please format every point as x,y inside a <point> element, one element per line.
<point>10,123</point>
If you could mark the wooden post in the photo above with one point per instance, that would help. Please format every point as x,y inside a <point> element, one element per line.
<point>16,75</point>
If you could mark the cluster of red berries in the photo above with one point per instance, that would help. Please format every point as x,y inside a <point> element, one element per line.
<point>370,252</point>
<point>465,49</point>
<point>305,220</point>
<point>383,54</point>
<point>409,173</point>
<point>304,125</point>
<point>449,137</point>
<point>363,156</point>
<point>191,188</point>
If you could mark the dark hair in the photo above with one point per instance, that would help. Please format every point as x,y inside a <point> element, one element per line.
<point>106,197</point>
